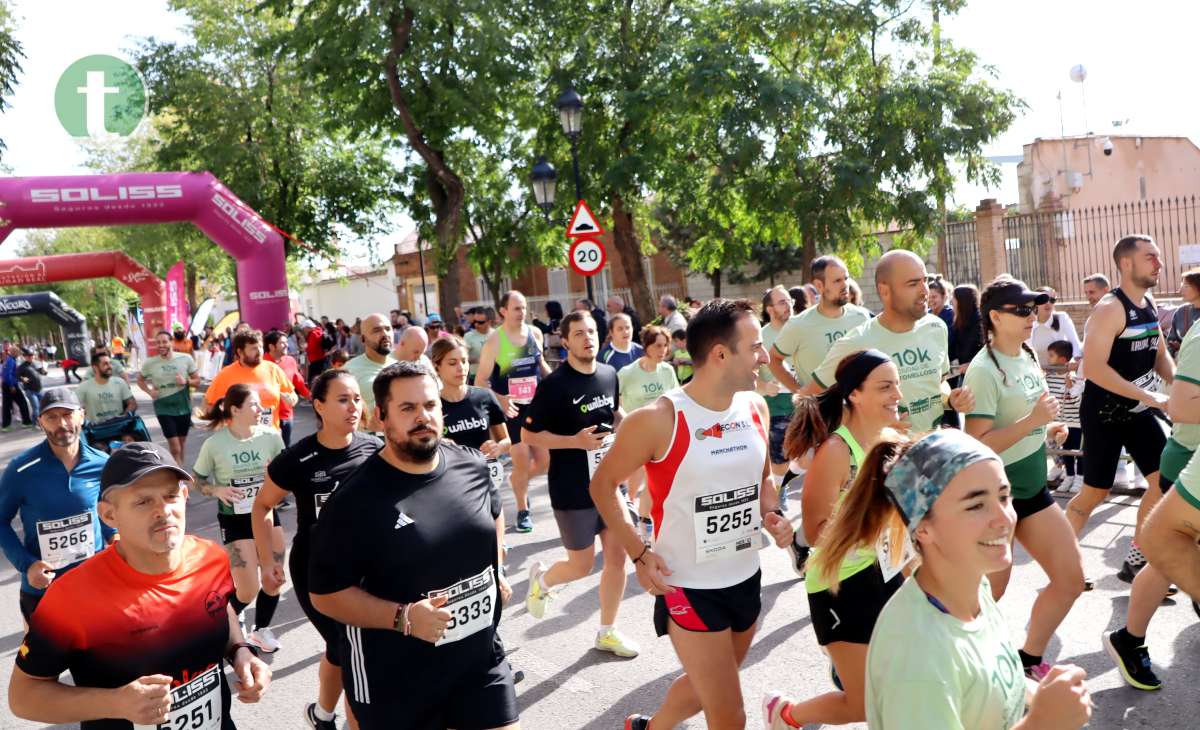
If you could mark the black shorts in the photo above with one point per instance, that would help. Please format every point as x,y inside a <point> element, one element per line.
<point>237,527</point>
<point>329,629</point>
<point>1142,434</point>
<point>850,615</point>
<point>1029,506</point>
<point>29,604</point>
<point>514,424</point>
<point>466,701</point>
<point>711,609</point>
<point>578,528</point>
<point>174,426</point>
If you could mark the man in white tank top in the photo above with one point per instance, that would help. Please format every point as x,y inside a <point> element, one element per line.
<point>704,447</point>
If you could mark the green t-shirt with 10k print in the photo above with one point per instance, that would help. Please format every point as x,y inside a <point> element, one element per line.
<point>173,399</point>
<point>228,461</point>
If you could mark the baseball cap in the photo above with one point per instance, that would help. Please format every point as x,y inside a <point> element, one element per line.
<point>433,318</point>
<point>135,460</point>
<point>1013,291</point>
<point>60,398</point>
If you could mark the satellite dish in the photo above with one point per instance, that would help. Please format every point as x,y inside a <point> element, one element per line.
<point>1078,73</point>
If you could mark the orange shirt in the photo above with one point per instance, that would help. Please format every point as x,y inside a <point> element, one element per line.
<point>185,345</point>
<point>267,378</point>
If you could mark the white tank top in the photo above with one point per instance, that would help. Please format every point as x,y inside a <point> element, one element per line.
<point>705,493</point>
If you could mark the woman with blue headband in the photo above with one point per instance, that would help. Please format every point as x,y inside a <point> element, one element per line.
<point>941,657</point>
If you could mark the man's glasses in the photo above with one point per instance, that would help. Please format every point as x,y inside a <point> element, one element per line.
<point>479,322</point>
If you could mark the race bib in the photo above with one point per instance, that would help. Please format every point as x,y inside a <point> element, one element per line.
<point>472,606</point>
<point>595,456</point>
<point>1150,381</point>
<point>195,705</point>
<point>67,541</point>
<point>522,389</point>
<point>250,487</point>
<point>496,472</point>
<point>727,522</point>
<point>265,418</point>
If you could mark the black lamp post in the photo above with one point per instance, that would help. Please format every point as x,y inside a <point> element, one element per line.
<point>544,178</point>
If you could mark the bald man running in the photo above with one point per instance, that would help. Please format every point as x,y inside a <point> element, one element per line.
<point>377,354</point>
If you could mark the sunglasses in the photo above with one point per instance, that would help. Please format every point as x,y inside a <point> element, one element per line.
<point>1053,300</point>
<point>1021,310</point>
<point>479,322</point>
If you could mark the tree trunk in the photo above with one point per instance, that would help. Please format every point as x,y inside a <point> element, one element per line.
<point>715,278</point>
<point>626,242</point>
<point>190,273</point>
<point>808,244</point>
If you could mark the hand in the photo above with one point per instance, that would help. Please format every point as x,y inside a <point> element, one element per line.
<point>272,577</point>
<point>587,438</point>
<point>771,387</point>
<point>1154,399</point>
<point>1058,433</point>
<point>40,574</point>
<point>145,700</point>
<point>779,528</point>
<point>652,572</point>
<point>505,590</point>
<point>962,399</point>
<point>507,405</point>
<point>252,676</point>
<point>428,619</point>
<point>1044,410</point>
<point>1062,700</point>
<point>228,495</point>
<point>180,380</point>
<point>490,449</point>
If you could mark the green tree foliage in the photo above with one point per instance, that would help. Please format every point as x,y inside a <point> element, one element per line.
<point>10,58</point>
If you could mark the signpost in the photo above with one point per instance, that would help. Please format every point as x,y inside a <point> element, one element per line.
<point>587,253</point>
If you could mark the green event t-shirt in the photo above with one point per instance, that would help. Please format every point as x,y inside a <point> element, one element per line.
<point>680,355</point>
<point>639,387</point>
<point>232,462</point>
<point>1006,395</point>
<point>173,399</point>
<point>809,335</point>
<point>101,402</point>
<point>781,403</point>
<point>928,669</point>
<point>1187,369</point>
<point>921,355</point>
<point>364,370</point>
<point>117,367</point>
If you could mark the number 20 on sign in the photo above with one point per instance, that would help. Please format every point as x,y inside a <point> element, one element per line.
<point>587,256</point>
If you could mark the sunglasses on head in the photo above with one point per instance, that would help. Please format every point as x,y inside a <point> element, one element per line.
<point>1021,310</point>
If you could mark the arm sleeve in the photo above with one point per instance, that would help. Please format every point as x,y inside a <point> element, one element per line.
<point>285,383</point>
<point>191,366</point>
<point>672,380</point>
<point>826,372</point>
<point>54,635</point>
<point>10,502</point>
<point>908,705</point>
<point>126,392</point>
<point>538,413</point>
<point>278,470</point>
<point>217,388</point>
<point>944,333</point>
<point>987,395</point>
<point>204,465</point>
<point>300,387</point>
<point>788,339</point>
<point>332,564</point>
<point>494,413</point>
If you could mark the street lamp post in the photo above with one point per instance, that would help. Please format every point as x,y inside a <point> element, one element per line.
<point>545,179</point>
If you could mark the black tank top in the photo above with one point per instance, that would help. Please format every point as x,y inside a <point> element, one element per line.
<point>1133,354</point>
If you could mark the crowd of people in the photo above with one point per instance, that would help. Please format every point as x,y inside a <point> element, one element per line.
<point>896,455</point>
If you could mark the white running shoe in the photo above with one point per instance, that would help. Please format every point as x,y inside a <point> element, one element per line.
<point>772,711</point>
<point>264,639</point>
<point>1056,473</point>
<point>1121,478</point>
<point>617,642</point>
<point>1076,484</point>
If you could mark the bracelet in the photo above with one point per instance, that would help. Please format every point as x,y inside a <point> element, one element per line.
<point>398,620</point>
<point>233,650</point>
<point>407,623</point>
<point>645,548</point>
<point>779,512</point>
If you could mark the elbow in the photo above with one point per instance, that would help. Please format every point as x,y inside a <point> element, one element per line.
<point>326,604</point>
<point>20,697</point>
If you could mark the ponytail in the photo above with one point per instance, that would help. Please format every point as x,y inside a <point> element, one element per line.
<point>866,509</point>
<point>814,419</point>
<point>222,409</point>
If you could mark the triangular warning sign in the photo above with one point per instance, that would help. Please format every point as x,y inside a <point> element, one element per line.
<point>583,223</point>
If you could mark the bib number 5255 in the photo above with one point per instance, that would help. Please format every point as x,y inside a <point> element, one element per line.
<point>727,521</point>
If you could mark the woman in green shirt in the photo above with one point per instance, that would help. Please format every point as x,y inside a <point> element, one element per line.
<point>1013,415</point>
<point>232,466</point>
<point>840,423</point>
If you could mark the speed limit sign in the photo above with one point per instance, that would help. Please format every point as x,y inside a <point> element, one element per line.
<point>587,256</point>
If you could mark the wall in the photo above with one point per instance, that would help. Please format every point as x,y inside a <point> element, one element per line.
<point>350,297</point>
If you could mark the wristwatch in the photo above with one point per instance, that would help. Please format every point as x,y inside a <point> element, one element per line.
<point>233,650</point>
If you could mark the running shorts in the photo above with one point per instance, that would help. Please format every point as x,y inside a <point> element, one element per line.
<point>1029,506</point>
<point>514,424</point>
<point>329,629</point>
<point>579,527</point>
<point>1143,435</point>
<point>237,527</point>
<point>779,426</point>
<point>29,604</point>
<point>850,614</point>
<point>711,609</point>
<point>1175,456</point>
<point>174,426</point>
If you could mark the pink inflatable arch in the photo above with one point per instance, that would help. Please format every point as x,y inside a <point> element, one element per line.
<point>161,197</point>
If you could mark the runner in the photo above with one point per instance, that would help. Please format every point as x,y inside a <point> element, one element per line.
<point>231,467</point>
<point>620,351</point>
<point>842,424</point>
<point>1127,361</point>
<point>1014,414</point>
<point>377,354</point>
<point>704,447</point>
<point>512,372</point>
<point>54,487</point>
<point>641,383</point>
<point>470,416</point>
<point>406,555</point>
<point>311,470</point>
<point>1127,645</point>
<point>945,495</point>
<point>914,339</point>
<point>265,378</point>
<point>150,653</point>
<point>275,343</point>
<point>577,436</point>
<point>168,377</point>
<point>777,312</point>
<point>102,395</point>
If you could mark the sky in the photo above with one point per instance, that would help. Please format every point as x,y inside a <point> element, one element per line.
<point>1138,57</point>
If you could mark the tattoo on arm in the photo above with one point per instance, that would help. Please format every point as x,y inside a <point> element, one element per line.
<point>278,557</point>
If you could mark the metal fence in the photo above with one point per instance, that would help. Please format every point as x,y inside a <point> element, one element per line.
<point>962,253</point>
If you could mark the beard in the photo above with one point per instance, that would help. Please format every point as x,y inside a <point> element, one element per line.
<point>251,362</point>
<point>840,300</point>
<point>918,310</point>
<point>62,438</point>
<point>383,346</point>
<point>417,451</point>
<point>1146,282</point>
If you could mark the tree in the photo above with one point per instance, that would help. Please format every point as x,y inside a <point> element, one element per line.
<point>11,54</point>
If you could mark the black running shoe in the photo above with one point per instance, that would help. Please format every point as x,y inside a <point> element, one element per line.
<point>1133,661</point>
<point>310,714</point>
<point>637,722</point>
<point>799,557</point>
<point>1129,572</point>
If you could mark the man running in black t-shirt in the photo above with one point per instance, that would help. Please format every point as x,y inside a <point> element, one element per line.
<point>574,414</point>
<point>406,555</point>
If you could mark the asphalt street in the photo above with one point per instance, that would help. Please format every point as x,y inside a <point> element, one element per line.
<point>569,685</point>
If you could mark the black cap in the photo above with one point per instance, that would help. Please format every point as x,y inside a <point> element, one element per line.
<point>60,398</point>
<point>133,461</point>
<point>1014,292</point>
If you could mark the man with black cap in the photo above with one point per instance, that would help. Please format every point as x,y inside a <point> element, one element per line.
<point>54,487</point>
<point>151,652</point>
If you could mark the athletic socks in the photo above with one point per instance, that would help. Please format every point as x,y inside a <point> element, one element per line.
<point>264,609</point>
<point>1028,660</point>
<point>1123,638</point>
<point>238,606</point>
<point>603,630</point>
<point>1135,557</point>
<point>322,714</point>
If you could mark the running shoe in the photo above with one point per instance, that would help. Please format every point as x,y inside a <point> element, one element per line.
<point>264,639</point>
<point>1128,572</point>
<point>536,599</point>
<point>647,529</point>
<point>524,521</point>
<point>1133,661</point>
<point>799,557</point>
<point>637,722</point>
<point>6,429</point>
<point>1076,484</point>
<point>1056,473</point>
<point>618,643</point>
<point>773,705</point>
<point>1037,672</point>
<point>310,714</point>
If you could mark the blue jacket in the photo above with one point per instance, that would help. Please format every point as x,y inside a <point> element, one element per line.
<point>9,373</point>
<point>36,485</point>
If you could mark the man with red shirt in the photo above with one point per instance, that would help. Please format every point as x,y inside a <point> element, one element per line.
<point>276,345</point>
<point>314,349</point>
<point>151,652</point>
<point>273,386</point>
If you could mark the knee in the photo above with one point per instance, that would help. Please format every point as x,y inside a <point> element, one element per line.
<point>578,568</point>
<point>247,594</point>
<point>726,718</point>
<point>1068,585</point>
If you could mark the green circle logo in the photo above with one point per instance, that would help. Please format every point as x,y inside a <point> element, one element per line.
<point>98,96</point>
